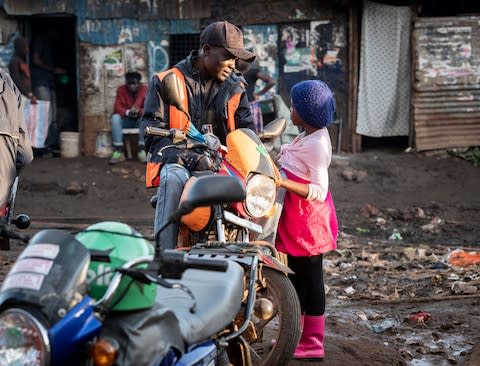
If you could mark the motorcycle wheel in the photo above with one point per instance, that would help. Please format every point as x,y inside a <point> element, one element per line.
<point>278,336</point>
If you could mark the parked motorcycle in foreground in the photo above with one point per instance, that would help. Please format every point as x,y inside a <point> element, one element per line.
<point>270,307</point>
<point>97,298</point>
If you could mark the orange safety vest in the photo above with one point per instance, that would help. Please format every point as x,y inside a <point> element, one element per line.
<point>178,119</point>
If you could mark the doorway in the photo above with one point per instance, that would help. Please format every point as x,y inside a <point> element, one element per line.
<point>181,45</point>
<point>60,32</point>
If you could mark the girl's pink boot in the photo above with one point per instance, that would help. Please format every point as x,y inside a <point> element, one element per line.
<point>311,342</point>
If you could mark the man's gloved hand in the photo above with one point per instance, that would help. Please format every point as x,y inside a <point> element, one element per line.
<point>212,141</point>
<point>193,161</point>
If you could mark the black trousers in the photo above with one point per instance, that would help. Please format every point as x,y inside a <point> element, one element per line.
<point>308,281</point>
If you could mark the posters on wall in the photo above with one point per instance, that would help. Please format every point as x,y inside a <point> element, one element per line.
<point>313,50</point>
<point>263,40</point>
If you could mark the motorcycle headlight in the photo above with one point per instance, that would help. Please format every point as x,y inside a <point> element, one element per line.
<point>23,339</point>
<point>261,193</point>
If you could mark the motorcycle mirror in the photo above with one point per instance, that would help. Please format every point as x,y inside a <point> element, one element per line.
<point>273,129</point>
<point>22,221</point>
<point>172,92</point>
<point>210,190</point>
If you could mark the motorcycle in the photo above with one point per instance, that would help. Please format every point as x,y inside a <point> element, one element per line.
<point>22,221</point>
<point>271,307</point>
<point>103,297</point>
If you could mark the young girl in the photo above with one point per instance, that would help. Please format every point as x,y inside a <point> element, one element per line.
<point>308,223</point>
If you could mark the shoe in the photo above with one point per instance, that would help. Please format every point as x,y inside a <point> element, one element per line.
<point>117,157</point>
<point>142,156</point>
<point>311,346</point>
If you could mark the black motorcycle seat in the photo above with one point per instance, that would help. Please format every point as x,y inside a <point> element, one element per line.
<point>218,297</point>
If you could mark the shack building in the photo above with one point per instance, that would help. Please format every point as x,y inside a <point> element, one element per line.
<point>402,70</point>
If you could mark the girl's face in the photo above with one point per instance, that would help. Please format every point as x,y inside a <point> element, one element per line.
<point>296,120</point>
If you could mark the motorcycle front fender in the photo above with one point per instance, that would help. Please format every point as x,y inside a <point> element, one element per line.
<point>275,264</point>
<point>276,261</point>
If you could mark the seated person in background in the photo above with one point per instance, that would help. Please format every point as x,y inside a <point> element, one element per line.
<point>127,113</point>
<point>251,73</point>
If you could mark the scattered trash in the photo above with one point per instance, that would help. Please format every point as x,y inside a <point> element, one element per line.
<point>361,230</point>
<point>460,258</point>
<point>433,226</point>
<point>395,236</point>
<point>350,290</point>
<point>362,315</point>
<point>380,221</point>
<point>439,265</point>
<point>464,288</point>
<point>420,213</point>
<point>419,317</point>
<point>383,326</point>
<point>370,210</point>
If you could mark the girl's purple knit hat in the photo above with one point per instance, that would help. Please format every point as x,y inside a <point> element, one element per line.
<point>314,102</point>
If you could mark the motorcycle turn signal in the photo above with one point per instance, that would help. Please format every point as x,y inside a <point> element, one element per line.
<point>104,352</point>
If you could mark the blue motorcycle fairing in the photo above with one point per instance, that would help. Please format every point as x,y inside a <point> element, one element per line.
<point>201,355</point>
<point>47,275</point>
<point>69,335</point>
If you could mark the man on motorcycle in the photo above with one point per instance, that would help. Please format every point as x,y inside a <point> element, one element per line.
<point>216,102</point>
<point>15,147</point>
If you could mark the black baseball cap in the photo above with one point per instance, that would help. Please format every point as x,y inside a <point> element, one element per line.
<point>226,35</point>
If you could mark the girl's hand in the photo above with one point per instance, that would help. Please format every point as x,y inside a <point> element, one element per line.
<point>279,182</point>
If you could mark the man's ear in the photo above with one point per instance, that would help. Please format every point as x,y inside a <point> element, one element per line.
<point>205,49</point>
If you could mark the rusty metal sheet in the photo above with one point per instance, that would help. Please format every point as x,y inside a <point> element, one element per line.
<point>100,9</point>
<point>446,88</point>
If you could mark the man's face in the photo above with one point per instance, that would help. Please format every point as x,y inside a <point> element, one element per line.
<point>133,85</point>
<point>219,62</point>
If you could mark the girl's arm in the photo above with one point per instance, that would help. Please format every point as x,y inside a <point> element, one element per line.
<point>298,188</point>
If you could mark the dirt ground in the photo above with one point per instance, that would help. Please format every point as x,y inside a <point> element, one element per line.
<point>394,298</point>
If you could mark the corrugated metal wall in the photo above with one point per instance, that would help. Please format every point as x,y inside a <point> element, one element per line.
<point>446,96</point>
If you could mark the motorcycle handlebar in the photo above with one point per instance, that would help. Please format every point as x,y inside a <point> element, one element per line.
<point>176,135</point>
<point>6,232</point>
<point>173,263</point>
<point>209,264</point>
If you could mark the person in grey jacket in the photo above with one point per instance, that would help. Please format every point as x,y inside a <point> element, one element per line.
<point>15,146</point>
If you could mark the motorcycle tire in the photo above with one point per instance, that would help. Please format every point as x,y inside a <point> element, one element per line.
<point>277,339</point>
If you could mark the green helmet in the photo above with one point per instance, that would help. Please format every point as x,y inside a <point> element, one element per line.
<point>111,244</point>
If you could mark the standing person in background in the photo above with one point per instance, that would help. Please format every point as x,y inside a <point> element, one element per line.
<point>19,69</point>
<point>127,113</point>
<point>306,237</point>
<point>252,73</point>
<point>44,73</point>
<point>15,147</point>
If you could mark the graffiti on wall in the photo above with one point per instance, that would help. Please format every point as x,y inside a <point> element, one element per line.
<point>157,57</point>
<point>262,40</point>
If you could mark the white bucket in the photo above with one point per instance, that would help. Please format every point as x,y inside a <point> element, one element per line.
<point>69,146</point>
<point>103,145</point>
